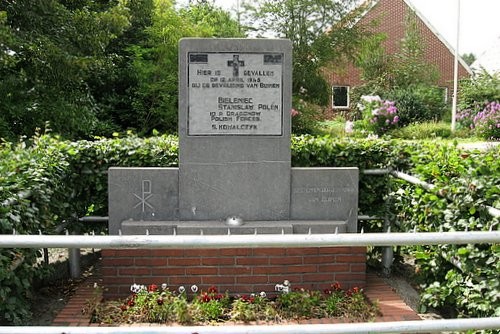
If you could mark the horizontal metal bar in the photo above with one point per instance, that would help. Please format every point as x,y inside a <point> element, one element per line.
<point>21,195</point>
<point>423,326</point>
<point>105,219</point>
<point>94,219</point>
<point>494,212</point>
<point>261,240</point>
<point>413,180</point>
<point>364,217</point>
<point>376,171</point>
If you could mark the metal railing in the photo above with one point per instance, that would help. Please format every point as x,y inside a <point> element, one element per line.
<point>257,240</point>
<point>423,326</point>
<point>284,240</point>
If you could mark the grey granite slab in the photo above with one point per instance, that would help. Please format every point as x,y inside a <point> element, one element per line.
<point>325,194</point>
<point>142,194</point>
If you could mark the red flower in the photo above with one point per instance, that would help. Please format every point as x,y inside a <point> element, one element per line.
<point>130,302</point>
<point>123,307</point>
<point>355,289</point>
<point>152,288</point>
<point>219,296</point>
<point>336,286</point>
<point>212,289</point>
<point>159,301</point>
<point>327,292</point>
<point>205,297</point>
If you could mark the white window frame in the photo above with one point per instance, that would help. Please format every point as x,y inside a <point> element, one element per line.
<point>348,97</point>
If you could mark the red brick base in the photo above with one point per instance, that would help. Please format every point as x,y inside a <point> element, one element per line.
<point>237,270</point>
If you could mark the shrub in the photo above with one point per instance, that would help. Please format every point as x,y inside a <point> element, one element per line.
<point>461,277</point>
<point>426,130</point>
<point>475,92</point>
<point>487,122</point>
<point>305,117</point>
<point>378,116</point>
<point>418,103</point>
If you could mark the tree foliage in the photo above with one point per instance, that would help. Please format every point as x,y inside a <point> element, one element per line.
<point>96,67</point>
<point>404,77</point>
<point>154,62</point>
<point>50,53</point>
<point>322,32</point>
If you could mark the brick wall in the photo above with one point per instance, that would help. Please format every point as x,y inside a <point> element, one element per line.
<point>237,270</point>
<point>391,16</point>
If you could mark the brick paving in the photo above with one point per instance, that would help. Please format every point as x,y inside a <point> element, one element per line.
<point>391,306</point>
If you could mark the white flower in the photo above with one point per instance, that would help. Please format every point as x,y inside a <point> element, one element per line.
<point>263,294</point>
<point>286,282</point>
<point>371,98</point>
<point>164,286</point>
<point>349,127</point>
<point>194,288</point>
<point>135,288</point>
<point>182,289</point>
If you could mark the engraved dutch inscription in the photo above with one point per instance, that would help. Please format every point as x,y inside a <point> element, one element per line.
<point>235,94</point>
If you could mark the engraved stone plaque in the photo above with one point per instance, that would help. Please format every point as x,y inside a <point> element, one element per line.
<point>233,93</point>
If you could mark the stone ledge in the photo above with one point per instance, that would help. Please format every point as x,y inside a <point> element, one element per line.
<point>130,227</point>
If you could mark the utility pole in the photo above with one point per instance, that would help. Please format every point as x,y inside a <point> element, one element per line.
<point>455,74</point>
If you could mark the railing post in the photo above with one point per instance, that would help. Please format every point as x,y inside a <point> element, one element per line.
<point>74,260</point>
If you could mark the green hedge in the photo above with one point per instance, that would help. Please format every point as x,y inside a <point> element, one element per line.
<point>65,180</point>
<point>463,279</point>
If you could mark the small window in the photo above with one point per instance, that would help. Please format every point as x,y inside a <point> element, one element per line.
<point>340,97</point>
<point>444,91</point>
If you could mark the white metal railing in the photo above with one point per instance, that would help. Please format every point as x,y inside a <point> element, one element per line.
<point>423,326</point>
<point>263,240</point>
<point>257,240</point>
<point>288,240</point>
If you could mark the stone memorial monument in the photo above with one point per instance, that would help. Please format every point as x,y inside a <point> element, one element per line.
<point>235,173</point>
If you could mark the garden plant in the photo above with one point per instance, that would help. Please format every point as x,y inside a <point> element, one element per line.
<point>159,304</point>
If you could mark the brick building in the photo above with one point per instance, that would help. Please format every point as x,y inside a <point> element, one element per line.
<point>390,16</point>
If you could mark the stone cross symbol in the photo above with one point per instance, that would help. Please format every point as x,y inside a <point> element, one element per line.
<point>146,194</point>
<point>236,63</point>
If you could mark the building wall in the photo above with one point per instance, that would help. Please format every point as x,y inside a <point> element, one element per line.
<point>391,16</point>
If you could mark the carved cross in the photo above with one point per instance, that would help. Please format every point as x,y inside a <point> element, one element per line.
<point>236,63</point>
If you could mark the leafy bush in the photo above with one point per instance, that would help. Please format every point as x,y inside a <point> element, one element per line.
<point>487,122</point>
<point>305,117</point>
<point>46,182</point>
<point>461,277</point>
<point>483,122</point>
<point>378,116</point>
<point>477,91</point>
<point>418,103</point>
<point>426,130</point>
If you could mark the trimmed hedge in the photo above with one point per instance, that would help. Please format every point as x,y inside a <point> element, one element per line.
<point>62,180</point>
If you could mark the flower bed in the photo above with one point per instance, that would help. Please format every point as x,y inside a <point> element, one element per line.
<point>159,304</point>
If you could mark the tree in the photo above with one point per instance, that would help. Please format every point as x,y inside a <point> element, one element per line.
<point>53,48</point>
<point>321,31</point>
<point>405,77</point>
<point>154,62</point>
<point>469,58</point>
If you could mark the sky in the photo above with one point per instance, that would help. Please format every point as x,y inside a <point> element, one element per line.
<point>479,21</point>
